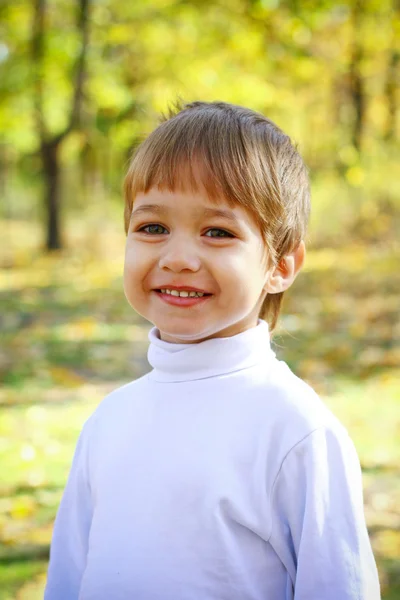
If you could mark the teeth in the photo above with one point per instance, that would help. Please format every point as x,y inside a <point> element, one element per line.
<point>182,294</point>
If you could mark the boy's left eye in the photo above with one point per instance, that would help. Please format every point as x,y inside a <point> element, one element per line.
<point>215,232</point>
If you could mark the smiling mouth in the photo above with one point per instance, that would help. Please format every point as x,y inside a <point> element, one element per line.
<point>182,293</point>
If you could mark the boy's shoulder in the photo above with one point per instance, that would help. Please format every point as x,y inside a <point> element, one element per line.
<point>293,404</point>
<point>119,401</point>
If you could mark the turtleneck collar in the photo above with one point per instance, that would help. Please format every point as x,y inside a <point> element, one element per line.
<point>213,357</point>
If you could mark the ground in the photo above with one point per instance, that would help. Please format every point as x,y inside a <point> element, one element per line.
<point>69,337</point>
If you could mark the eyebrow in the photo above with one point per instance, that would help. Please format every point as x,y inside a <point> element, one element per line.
<point>219,212</point>
<point>146,208</point>
<point>208,212</point>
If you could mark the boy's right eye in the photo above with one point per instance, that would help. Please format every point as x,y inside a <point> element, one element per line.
<point>153,229</point>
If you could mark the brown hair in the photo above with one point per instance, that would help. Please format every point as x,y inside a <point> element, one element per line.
<point>236,155</point>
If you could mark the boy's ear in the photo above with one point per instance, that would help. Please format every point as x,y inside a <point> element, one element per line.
<point>281,277</point>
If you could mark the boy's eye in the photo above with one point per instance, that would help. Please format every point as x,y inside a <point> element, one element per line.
<point>215,232</point>
<point>153,229</point>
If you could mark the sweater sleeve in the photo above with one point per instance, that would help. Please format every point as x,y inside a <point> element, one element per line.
<point>69,544</point>
<point>318,523</point>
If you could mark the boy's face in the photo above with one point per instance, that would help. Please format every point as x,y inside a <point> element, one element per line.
<point>182,242</point>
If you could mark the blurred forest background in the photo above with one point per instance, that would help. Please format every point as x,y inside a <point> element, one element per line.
<point>81,83</point>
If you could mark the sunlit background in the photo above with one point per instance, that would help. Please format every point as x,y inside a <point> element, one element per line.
<point>81,83</point>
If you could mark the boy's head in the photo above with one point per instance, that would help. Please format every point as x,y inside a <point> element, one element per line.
<point>235,156</point>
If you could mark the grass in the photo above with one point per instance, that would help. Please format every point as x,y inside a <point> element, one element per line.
<point>69,337</point>
<point>11,576</point>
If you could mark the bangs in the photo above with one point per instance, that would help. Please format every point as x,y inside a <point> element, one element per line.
<point>181,169</point>
<point>202,152</point>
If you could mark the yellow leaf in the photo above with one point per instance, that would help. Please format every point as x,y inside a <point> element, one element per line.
<point>22,507</point>
<point>355,176</point>
<point>65,377</point>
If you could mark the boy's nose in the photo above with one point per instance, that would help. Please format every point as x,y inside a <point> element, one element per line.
<point>180,257</point>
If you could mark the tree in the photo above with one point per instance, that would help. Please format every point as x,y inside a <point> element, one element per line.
<point>50,142</point>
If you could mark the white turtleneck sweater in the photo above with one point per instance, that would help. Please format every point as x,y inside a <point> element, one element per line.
<point>219,475</point>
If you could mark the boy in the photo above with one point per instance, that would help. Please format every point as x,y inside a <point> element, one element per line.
<point>219,475</point>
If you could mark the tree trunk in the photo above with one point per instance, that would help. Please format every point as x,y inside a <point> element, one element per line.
<point>390,92</point>
<point>392,76</point>
<point>357,92</point>
<point>51,166</point>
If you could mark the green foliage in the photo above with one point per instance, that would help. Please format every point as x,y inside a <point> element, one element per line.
<point>295,62</point>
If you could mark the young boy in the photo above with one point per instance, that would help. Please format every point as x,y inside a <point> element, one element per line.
<point>219,475</point>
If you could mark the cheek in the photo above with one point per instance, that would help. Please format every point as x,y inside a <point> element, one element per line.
<point>137,257</point>
<point>242,268</point>
<point>135,268</point>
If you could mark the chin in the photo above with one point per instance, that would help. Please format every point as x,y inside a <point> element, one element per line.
<point>183,334</point>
